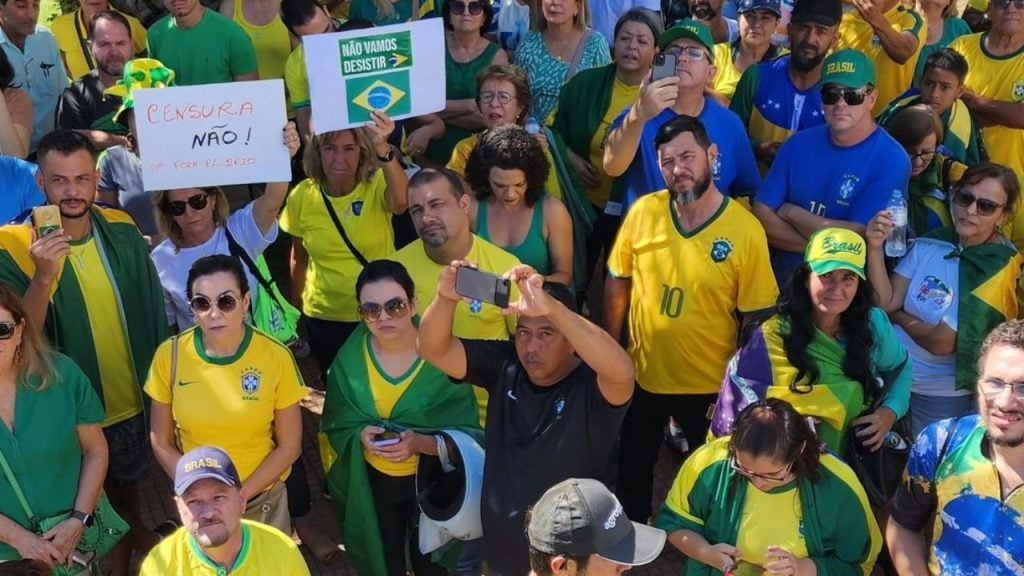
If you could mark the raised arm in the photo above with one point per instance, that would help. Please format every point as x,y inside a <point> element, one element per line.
<point>266,207</point>
<point>380,128</point>
<point>436,343</point>
<point>622,144</point>
<point>899,46</point>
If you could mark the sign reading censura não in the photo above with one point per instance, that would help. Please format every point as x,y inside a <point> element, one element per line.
<point>395,69</point>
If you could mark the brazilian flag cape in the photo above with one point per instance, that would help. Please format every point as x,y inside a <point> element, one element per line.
<point>430,403</point>
<point>962,136</point>
<point>988,281</point>
<point>708,497</point>
<point>760,369</point>
<point>136,284</point>
<point>928,208</point>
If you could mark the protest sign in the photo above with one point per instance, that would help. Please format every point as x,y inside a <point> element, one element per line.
<point>212,135</point>
<point>398,69</point>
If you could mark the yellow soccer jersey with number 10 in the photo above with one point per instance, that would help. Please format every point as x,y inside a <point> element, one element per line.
<point>687,289</point>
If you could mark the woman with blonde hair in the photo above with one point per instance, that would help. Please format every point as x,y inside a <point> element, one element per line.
<point>50,438</point>
<point>339,219</point>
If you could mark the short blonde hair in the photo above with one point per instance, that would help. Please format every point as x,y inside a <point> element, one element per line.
<point>368,162</point>
<point>580,20</point>
<point>170,229</point>
<point>33,357</point>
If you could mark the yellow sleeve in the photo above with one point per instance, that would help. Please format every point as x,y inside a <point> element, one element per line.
<point>620,257</point>
<point>757,289</point>
<point>678,500</point>
<point>379,191</point>
<point>290,387</point>
<point>460,155</point>
<point>158,381</point>
<point>295,79</point>
<point>139,35</point>
<point>291,217</point>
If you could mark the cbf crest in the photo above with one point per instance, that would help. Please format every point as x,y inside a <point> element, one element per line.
<point>250,383</point>
<point>720,250</point>
<point>847,185</point>
<point>1018,91</point>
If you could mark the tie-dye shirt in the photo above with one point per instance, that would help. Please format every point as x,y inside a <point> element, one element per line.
<point>952,483</point>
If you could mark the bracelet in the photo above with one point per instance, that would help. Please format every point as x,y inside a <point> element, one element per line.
<point>387,157</point>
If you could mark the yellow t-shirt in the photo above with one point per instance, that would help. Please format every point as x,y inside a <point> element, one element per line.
<point>227,402</point>
<point>728,76</point>
<point>756,535</point>
<point>386,392</point>
<point>72,35</point>
<point>483,323</point>
<point>330,290</point>
<point>893,79</point>
<point>272,43</point>
<point>121,396</point>
<point>460,156</point>
<point>686,290</point>
<point>265,550</point>
<point>296,80</point>
<point>623,96</point>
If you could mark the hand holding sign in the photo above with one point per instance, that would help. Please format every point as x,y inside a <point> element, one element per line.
<point>380,128</point>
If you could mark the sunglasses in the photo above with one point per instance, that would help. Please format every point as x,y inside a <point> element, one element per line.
<point>7,330</point>
<point>1004,4</point>
<point>197,202</point>
<point>986,207</point>
<point>692,53</point>
<point>779,476</point>
<point>852,97</point>
<point>225,303</point>
<point>396,308</point>
<point>460,8</point>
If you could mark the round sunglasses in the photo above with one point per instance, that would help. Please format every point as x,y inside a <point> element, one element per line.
<point>395,308</point>
<point>201,304</point>
<point>197,202</point>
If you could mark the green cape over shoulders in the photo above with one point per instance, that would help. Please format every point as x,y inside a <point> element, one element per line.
<point>430,403</point>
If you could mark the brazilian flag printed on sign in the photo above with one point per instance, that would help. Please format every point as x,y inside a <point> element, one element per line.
<point>387,92</point>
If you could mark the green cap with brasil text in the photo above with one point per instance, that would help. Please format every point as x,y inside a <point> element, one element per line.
<point>832,249</point>
<point>850,68</point>
<point>692,29</point>
<point>139,74</point>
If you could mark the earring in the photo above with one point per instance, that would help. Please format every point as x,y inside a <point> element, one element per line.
<point>17,355</point>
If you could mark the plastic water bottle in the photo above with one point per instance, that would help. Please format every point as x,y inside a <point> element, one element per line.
<point>532,127</point>
<point>896,244</point>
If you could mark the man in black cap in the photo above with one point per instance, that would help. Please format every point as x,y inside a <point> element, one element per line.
<point>578,527</point>
<point>780,97</point>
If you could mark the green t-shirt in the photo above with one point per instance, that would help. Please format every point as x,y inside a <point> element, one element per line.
<point>43,451</point>
<point>214,50</point>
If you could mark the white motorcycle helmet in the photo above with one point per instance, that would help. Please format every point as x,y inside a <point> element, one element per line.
<point>448,489</point>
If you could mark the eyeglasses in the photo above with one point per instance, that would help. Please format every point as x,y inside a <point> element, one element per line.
<point>197,202</point>
<point>986,207</point>
<point>780,476</point>
<point>692,53</point>
<point>994,388</point>
<point>395,308</point>
<point>1004,4</point>
<point>460,8</point>
<point>852,97</point>
<point>924,156</point>
<point>225,303</point>
<point>7,330</point>
<point>503,97</point>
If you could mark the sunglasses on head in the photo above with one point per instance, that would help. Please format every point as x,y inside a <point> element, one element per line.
<point>986,207</point>
<point>197,202</point>
<point>1004,4</point>
<point>460,8</point>
<point>396,308</point>
<point>852,97</point>
<point>7,330</point>
<point>225,303</point>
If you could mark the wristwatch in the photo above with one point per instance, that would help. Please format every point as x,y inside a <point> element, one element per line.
<point>389,156</point>
<point>84,518</point>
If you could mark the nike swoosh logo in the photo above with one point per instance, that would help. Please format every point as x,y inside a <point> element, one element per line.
<point>183,383</point>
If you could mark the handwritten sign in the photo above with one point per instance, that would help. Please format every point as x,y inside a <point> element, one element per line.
<point>392,68</point>
<point>212,135</point>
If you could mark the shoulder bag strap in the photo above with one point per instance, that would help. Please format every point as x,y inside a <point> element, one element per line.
<point>17,488</point>
<point>577,56</point>
<point>341,229</point>
<point>237,251</point>
<point>174,359</point>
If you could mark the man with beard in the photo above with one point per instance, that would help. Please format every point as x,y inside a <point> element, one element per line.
<point>964,483</point>
<point>202,46</point>
<point>92,290</point>
<point>84,106</point>
<point>74,35</point>
<point>629,150</point>
<point>213,538</point>
<point>709,13</point>
<point>778,98</point>
<point>687,260</point>
<point>840,174</point>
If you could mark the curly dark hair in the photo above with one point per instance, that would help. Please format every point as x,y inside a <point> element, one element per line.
<point>509,148</point>
<point>796,308</point>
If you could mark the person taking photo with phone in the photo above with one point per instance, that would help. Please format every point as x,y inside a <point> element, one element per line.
<point>558,394</point>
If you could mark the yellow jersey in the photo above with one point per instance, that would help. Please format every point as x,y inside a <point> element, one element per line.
<point>330,290</point>
<point>686,290</point>
<point>892,79</point>
<point>227,402</point>
<point>265,550</point>
<point>296,80</point>
<point>386,392</point>
<point>72,34</point>
<point>271,41</point>
<point>623,96</point>
<point>727,76</point>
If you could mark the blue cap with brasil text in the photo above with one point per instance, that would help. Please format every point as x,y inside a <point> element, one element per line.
<point>832,249</point>
<point>204,462</point>
<point>850,68</point>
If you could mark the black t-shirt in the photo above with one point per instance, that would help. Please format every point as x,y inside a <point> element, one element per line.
<point>536,437</point>
<point>84,106</point>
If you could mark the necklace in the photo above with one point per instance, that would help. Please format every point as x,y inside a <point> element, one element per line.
<point>78,252</point>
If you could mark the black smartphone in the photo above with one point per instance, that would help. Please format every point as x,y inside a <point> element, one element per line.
<point>482,286</point>
<point>387,438</point>
<point>664,66</point>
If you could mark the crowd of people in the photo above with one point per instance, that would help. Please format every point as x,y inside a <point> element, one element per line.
<point>784,236</point>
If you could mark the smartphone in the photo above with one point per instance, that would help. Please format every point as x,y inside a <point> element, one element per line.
<point>664,66</point>
<point>482,286</point>
<point>386,438</point>
<point>46,219</point>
